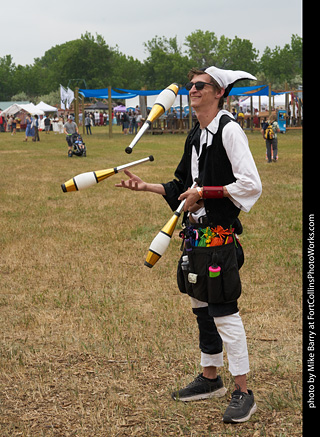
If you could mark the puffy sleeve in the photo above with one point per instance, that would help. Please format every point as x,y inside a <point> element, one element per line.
<point>247,188</point>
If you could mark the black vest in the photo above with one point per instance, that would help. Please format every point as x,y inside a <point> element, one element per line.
<point>215,170</point>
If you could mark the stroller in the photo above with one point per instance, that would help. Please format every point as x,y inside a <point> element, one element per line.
<point>78,146</point>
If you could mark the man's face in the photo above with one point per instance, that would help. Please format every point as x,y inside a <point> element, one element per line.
<point>204,97</point>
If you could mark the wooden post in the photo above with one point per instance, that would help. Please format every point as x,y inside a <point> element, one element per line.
<point>299,111</point>
<point>143,104</point>
<point>286,107</point>
<point>270,108</point>
<point>110,111</point>
<point>180,113</point>
<point>76,105</point>
<point>82,106</point>
<point>293,107</point>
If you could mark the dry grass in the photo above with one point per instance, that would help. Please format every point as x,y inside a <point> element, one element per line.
<point>92,341</point>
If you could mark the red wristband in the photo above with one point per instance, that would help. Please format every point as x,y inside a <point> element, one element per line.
<point>212,192</point>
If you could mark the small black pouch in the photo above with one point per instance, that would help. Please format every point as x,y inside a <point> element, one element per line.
<point>195,281</point>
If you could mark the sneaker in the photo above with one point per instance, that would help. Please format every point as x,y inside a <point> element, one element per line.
<point>70,153</point>
<point>241,407</point>
<point>201,388</point>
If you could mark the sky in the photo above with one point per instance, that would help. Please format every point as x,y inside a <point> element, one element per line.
<point>28,30</point>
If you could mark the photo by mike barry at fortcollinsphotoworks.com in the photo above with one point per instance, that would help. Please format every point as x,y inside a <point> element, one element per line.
<point>310,322</point>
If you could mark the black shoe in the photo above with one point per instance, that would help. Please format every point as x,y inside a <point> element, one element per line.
<point>201,388</point>
<point>70,154</point>
<point>241,407</point>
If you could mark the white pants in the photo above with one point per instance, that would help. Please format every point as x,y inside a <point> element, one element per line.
<point>232,333</point>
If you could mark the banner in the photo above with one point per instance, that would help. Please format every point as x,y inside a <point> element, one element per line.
<point>63,97</point>
<point>70,97</point>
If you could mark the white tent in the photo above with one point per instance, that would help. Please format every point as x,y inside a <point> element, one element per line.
<point>15,108</point>
<point>46,108</point>
<point>277,100</point>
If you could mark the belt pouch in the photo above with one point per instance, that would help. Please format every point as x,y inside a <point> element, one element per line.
<point>224,288</point>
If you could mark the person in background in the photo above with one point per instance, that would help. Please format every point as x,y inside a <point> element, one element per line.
<point>13,126</point>
<point>29,127</point>
<point>87,122</point>
<point>269,130</point>
<point>70,128</point>
<point>125,123</point>
<point>240,117</point>
<point>9,124</point>
<point>36,128</point>
<point>47,124</point>
<point>2,123</point>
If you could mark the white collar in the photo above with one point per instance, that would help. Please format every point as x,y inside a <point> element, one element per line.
<point>214,124</point>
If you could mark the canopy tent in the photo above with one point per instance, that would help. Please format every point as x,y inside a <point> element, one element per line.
<point>257,90</point>
<point>120,108</point>
<point>260,90</point>
<point>141,92</point>
<point>278,100</point>
<point>29,108</point>
<point>5,105</point>
<point>103,93</point>
<point>46,108</point>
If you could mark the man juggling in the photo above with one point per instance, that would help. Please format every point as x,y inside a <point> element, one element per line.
<point>217,155</point>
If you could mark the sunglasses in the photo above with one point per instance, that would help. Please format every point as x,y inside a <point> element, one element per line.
<point>199,85</point>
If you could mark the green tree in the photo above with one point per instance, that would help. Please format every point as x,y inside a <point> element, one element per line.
<point>7,69</point>
<point>242,56</point>
<point>165,63</point>
<point>282,65</point>
<point>205,49</point>
<point>202,47</point>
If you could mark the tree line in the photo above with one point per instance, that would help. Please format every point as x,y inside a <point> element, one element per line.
<point>89,62</point>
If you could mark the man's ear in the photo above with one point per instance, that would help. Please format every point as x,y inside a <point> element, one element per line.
<point>220,93</point>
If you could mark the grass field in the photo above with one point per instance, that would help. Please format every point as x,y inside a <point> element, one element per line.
<point>92,341</point>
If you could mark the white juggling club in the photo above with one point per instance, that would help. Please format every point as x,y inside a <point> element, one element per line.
<point>163,102</point>
<point>86,180</point>
<point>161,241</point>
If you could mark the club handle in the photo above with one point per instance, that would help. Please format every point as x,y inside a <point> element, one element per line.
<point>180,207</point>
<point>132,164</point>
<point>142,130</point>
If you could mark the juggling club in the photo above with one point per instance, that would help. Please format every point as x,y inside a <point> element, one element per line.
<point>86,180</point>
<point>162,240</point>
<point>163,102</point>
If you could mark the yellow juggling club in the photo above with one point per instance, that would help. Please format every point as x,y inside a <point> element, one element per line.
<point>86,180</point>
<point>163,102</point>
<point>161,241</point>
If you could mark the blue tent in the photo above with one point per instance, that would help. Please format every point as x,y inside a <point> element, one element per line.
<point>141,92</point>
<point>103,94</point>
<point>257,90</point>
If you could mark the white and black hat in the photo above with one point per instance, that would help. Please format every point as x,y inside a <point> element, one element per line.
<point>227,78</point>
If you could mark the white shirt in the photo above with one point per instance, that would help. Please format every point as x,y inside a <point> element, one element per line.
<point>247,188</point>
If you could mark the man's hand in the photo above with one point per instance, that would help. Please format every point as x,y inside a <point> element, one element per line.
<point>192,196</point>
<point>133,183</point>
